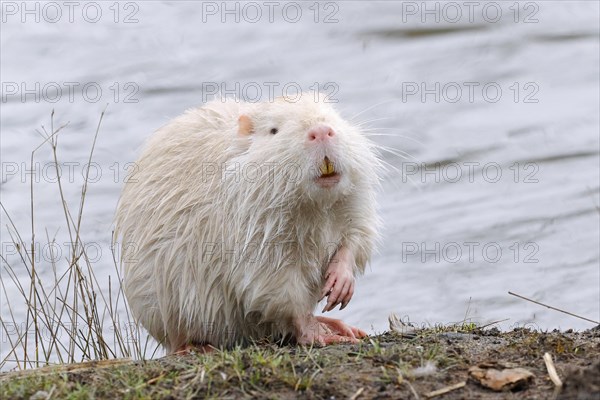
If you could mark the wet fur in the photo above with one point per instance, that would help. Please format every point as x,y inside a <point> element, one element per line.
<point>214,252</point>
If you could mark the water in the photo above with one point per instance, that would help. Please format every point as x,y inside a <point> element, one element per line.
<point>498,124</point>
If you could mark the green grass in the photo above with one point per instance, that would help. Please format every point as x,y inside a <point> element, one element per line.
<point>383,365</point>
<point>386,366</point>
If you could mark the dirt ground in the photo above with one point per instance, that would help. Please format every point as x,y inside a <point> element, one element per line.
<point>410,366</point>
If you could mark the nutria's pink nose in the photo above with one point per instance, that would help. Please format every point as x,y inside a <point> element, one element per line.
<point>320,133</point>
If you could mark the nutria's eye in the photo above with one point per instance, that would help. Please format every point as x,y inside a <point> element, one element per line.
<point>274,131</point>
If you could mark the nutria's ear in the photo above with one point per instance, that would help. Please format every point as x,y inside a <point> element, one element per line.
<point>245,127</point>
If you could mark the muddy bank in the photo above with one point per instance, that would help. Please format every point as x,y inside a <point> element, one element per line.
<point>431,363</point>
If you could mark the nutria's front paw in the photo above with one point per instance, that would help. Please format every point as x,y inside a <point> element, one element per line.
<point>339,281</point>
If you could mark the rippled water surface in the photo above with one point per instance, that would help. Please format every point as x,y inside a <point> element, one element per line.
<point>491,131</point>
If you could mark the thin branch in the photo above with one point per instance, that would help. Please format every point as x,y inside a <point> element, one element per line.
<point>555,309</point>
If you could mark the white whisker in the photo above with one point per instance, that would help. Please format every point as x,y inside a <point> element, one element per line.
<point>370,108</point>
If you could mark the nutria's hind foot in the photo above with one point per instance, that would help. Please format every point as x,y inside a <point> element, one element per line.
<point>322,331</point>
<point>341,328</point>
<point>194,348</point>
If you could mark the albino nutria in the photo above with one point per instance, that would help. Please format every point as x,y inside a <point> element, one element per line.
<point>241,217</point>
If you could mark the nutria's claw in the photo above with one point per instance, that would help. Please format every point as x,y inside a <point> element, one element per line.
<point>339,280</point>
<point>322,331</point>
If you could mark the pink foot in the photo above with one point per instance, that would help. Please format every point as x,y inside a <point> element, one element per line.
<point>323,331</point>
<point>338,326</point>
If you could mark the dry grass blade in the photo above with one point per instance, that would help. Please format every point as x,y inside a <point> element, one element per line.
<point>64,307</point>
<point>445,390</point>
<point>67,368</point>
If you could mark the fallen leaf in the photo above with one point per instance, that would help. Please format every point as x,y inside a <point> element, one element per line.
<point>496,377</point>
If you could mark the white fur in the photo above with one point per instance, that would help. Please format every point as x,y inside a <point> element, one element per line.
<point>226,237</point>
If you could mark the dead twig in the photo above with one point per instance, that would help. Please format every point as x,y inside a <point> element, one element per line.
<point>357,394</point>
<point>445,390</point>
<point>554,308</point>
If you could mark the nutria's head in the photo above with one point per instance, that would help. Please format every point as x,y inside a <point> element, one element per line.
<point>312,154</point>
